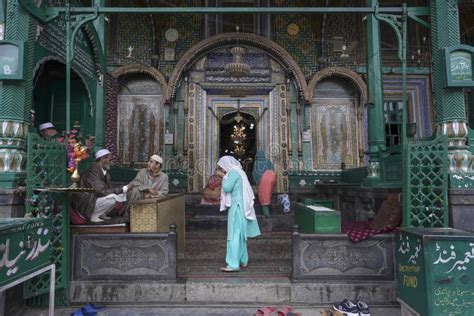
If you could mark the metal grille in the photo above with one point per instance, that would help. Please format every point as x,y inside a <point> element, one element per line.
<point>46,168</point>
<point>426,184</point>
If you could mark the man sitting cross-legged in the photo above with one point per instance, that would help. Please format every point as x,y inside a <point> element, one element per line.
<point>95,206</point>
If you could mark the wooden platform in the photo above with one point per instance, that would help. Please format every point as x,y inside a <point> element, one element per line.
<point>104,228</point>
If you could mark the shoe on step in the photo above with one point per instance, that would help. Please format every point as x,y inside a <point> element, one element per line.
<point>105,217</point>
<point>347,307</point>
<point>363,308</point>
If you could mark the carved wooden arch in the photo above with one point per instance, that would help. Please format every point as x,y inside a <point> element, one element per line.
<point>44,60</point>
<point>226,39</point>
<point>345,73</point>
<point>140,69</point>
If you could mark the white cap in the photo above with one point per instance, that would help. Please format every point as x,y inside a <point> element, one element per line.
<point>157,158</point>
<point>101,153</point>
<point>46,125</point>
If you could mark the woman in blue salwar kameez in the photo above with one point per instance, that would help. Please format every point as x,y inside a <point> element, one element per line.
<point>237,196</point>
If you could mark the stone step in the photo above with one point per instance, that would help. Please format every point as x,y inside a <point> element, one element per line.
<point>258,291</point>
<point>269,255</point>
<point>201,310</point>
<point>201,209</point>
<point>218,223</point>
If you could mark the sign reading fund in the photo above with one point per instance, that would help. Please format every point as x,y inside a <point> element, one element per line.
<point>11,60</point>
<point>459,66</point>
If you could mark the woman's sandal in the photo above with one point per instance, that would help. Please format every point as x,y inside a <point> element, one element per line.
<point>265,311</point>
<point>225,269</point>
<point>284,311</point>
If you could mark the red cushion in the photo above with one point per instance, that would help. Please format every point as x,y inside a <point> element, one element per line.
<point>75,217</point>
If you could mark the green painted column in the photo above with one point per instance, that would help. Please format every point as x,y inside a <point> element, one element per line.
<point>449,102</point>
<point>16,102</point>
<point>99,25</point>
<point>376,122</point>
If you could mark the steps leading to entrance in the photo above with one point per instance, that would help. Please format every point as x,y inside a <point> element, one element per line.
<point>209,218</point>
<point>269,256</point>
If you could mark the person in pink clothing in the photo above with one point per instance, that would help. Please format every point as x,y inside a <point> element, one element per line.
<point>265,178</point>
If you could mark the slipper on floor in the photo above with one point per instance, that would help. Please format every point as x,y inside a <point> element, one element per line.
<point>284,311</point>
<point>265,311</point>
<point>226,269</point>
<point>91,309</point>
<point>88,310</point>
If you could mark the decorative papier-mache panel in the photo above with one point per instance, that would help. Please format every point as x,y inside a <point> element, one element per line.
<point>140,121</point>
<point>334,133</point>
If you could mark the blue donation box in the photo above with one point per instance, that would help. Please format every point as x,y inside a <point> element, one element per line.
<point>11,60</point>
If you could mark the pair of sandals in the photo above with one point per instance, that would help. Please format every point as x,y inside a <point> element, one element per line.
<point>88,310</point>
<point>227,269</point>
<point>271,311</point>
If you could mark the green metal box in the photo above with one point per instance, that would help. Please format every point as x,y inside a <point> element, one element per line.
<point>25,246</point>
<point>313,221</point>
<point>435,270</point>
<point>313,201</point>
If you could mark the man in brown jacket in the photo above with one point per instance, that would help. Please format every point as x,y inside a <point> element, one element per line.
<point>95,206</point>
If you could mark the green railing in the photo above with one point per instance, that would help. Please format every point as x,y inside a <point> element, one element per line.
<point>46,168</point>
<point>425,185</point>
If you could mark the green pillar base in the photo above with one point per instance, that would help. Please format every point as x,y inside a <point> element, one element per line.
<point>461,181</point>
<point>371,182</point>
<point>12,180</point>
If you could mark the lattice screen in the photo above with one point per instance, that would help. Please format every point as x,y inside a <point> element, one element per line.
<point>46,168</point>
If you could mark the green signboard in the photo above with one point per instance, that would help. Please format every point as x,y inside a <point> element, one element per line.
<point>459,66</point>
<point>11,60</point>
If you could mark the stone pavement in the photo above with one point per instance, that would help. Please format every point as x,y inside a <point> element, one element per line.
<point>211,310</point>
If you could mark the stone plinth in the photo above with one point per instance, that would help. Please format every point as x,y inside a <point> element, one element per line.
<point>123,256</point>
<point>333,257</point>
<point>461,209</point>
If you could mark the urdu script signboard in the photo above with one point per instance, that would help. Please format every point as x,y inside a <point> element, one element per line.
<point>459,66</point>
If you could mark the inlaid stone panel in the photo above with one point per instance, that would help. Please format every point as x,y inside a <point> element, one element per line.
<point>124,256</point>
<point>335,257</point>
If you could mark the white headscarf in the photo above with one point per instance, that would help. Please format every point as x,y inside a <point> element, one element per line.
<point>229,163</point>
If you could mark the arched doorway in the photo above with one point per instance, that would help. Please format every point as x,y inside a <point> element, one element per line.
<point>49,97</point>
<point>238,138</point>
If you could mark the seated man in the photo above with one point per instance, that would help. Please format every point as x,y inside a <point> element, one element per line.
<point>150,182</point>
<point>95,206</point>
<point>47,131</point>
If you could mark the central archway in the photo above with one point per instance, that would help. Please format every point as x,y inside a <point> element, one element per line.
<point>201,49</point>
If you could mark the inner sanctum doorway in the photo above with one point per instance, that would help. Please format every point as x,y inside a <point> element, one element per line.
<point>238,138</point>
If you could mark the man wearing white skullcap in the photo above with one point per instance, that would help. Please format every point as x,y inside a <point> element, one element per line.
<point>95,206</point>
<point>47,130</point>
<point>150,182</point>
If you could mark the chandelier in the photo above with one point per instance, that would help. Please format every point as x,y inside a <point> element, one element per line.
<point>238,136</point>
<point>237,68</point>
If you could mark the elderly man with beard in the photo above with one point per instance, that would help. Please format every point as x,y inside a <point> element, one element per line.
<point>150,182</point>
<point>95,206</point>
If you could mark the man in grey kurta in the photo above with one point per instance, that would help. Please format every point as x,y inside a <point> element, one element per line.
<point>150,182</point>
